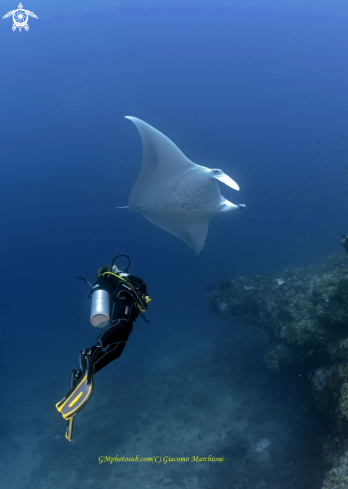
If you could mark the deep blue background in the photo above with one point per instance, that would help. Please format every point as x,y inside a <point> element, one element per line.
<point>258,92</point>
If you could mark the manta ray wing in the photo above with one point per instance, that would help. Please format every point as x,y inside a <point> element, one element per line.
<point>193,232</point>
<point>162,161</point>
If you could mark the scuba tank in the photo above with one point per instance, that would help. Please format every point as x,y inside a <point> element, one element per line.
<point>100,308</point>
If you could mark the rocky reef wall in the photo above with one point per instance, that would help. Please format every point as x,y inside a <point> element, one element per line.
<point>305,312</point>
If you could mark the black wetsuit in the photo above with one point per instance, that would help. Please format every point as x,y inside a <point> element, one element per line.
<point>124,298</point>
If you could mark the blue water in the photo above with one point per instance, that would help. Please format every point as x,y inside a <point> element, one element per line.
<point>258,89</point>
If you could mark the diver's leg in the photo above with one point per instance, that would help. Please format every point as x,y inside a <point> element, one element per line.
<point>112,340</point>
<point>92,355</point>
<point>108,347</point>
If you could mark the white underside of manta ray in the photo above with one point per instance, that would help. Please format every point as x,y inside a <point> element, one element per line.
<point>173,192</point>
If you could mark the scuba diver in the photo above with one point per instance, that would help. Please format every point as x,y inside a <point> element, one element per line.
<point>126,296</point>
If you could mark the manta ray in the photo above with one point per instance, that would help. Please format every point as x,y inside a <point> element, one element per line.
<point>173,192</point>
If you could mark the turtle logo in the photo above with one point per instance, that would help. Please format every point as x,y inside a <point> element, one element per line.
<point>20,18</point>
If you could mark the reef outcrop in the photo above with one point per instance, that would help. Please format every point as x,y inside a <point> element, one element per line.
<point>305,312</point>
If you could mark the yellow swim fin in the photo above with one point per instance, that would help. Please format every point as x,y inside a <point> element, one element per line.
<point>76,398</point>
<point>79,394</point>
<point>69,429</point>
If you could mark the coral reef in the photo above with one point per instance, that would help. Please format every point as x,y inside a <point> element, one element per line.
<point>337,478</point>
<point>305,312</point>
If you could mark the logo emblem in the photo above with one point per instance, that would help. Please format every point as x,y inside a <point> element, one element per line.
<point>20,18</point>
